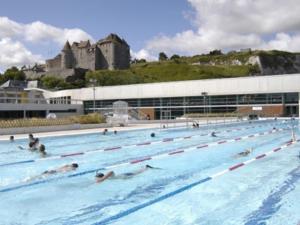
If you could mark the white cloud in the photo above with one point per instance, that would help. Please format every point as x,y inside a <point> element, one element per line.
<point>9,28</point>
<point>235,24</point>
<point>143,54</point>
<point>14,35</point>
<point>13,53</point>
<point>248,16</point>
<point>38,31</point>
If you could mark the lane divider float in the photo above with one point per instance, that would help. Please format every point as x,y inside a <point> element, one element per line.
<point>99,150</point>
<point>188,187</point>
<point>135,161</point>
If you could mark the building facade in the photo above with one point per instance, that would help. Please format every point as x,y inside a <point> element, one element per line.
<point>263,95</point>
<point>110,53</point>
<point>19,99</point>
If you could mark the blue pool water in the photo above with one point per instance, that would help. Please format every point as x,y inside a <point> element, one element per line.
<point>266,191</point>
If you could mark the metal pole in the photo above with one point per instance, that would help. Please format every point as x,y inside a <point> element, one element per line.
<point>204,94</point>
<point>93,81</point>
<point>94,103</point>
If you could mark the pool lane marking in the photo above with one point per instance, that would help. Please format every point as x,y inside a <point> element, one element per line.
<point>132,210</point>
<point>134,161</point>
<point>74,154</point>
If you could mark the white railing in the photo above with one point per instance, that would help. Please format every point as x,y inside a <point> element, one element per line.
<point>21,100</point>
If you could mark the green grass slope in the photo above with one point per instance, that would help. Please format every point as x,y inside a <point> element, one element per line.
<point>166,71</point>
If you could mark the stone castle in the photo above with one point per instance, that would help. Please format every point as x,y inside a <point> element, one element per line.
<point>74,60</point>
<point>110,53</point>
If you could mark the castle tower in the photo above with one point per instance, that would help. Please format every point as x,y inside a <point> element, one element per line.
<point>115,51</point>
<point>67,57</point>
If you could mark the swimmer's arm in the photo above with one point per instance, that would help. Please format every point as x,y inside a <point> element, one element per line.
<point>108,175</point>
<point>65,168</point>
<point>140,171</point>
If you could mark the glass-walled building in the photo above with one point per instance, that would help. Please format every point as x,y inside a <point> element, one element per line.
<point>276,104</point>
<point>276,95</point>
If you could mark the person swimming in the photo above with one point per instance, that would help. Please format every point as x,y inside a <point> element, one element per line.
<point>213,134</point>
<point>62,169</point>
<point>195,124</point>
<point>100,177</point>
<point>152,134</point>
<point>245,153</point>
<point>12,138</point>
<point>30,138</point>
<point>42,150</point>
<point>33,145</point>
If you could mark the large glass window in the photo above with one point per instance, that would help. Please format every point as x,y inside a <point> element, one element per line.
<point>291,98</point>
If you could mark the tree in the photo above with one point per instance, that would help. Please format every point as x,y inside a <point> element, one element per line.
<point>135,61</point>
<point>216,52</point>
<point>162,56</point>
<point>175,57</point>
<point>1,79</point>
<point>14,73</point>
<point>51,82</point>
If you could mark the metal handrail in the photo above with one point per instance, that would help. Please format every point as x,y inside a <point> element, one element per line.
<point>22,100</point>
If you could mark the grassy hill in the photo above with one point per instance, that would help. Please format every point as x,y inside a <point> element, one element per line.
<point>171,70</point>
<point>206,66</point>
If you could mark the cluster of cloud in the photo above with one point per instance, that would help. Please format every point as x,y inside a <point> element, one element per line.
<point>216,24</point>
<point>13,35</point>
<point>232,25</point>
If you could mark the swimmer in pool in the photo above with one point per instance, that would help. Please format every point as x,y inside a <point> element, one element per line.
<point>245,153</point>
<point>42,150</point>
<point>100,177</point>
<point>62,169</point>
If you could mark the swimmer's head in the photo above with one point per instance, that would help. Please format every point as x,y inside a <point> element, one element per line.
<point>74,165</point>
<point>42,148</point>
<point>99,175</point>
<point>152,135</point>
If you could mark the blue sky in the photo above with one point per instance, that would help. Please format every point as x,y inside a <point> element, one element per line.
<point>32,30</point>
<point>135,20</point>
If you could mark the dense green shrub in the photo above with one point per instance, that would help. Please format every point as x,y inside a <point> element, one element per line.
<point>91,118</point>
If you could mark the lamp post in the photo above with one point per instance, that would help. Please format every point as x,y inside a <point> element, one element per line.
<point>94,81</point>
<point>204,94</point>
<point>184,111</point>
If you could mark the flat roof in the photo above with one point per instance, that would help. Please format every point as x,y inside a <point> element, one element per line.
<point>285,83</point>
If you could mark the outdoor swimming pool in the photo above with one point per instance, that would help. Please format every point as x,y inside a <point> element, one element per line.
<point>201,180</point>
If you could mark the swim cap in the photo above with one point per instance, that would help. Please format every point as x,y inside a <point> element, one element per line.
<point>99,175</point>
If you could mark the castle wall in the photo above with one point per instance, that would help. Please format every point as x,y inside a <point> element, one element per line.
<point>67,60</point>
<point>107,50</point>
<point>100,61</point>
<point>83,58</point>
<point>53,64</point>
<point>122,56</point>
